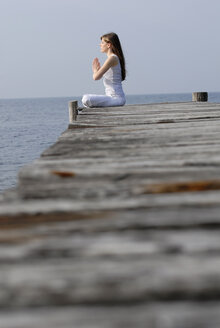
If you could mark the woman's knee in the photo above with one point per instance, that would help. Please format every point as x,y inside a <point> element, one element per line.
<point>86,101</point>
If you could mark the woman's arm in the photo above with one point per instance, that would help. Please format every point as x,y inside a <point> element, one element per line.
<point>98,70</point>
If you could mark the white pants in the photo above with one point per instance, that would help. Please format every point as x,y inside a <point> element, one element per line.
<point>102,101</point>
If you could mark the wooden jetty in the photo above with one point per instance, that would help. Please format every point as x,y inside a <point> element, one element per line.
<point>117,224</point>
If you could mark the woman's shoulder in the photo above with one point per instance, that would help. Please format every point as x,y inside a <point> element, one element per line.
<point>114,56</point>
<point>114,59</point>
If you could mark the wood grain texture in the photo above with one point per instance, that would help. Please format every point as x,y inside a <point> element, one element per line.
<point>117,224</point>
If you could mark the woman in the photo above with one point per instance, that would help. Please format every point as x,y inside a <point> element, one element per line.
<point>113,73</point>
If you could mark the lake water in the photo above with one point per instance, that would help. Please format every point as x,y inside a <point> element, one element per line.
<point>29,126</point>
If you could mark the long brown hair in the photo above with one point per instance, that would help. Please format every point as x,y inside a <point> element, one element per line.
<point>117,50</point>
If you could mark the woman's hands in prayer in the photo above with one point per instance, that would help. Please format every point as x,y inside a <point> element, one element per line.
<point>95,65</point>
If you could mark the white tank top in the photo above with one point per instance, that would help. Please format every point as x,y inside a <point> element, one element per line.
<point>112,80</point>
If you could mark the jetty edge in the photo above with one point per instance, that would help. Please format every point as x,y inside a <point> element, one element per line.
<point>117,223</point>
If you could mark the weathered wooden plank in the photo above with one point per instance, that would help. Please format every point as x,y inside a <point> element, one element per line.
<point>161,107</point>
<point>35,245</point>
<point>196,199</point>
<point>123,280</point>
<point>154,315</point>
<point>121,187</point>
<point>149,215</point>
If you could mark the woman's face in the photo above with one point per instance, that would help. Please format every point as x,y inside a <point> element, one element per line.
<point>104,46</point>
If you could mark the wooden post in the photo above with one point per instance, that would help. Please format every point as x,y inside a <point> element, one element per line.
<point>200,96</point>
<point>73,111</point>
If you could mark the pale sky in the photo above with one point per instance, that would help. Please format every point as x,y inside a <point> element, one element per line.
<point>47,46</point>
